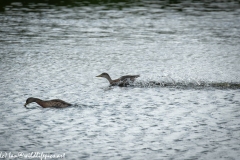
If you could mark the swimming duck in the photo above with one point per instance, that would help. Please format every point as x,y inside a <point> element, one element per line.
<point>122,81</point>
<point>56,103</point>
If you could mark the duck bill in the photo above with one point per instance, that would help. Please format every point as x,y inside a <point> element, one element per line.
<point>99,75</point>
<point>25,105</point>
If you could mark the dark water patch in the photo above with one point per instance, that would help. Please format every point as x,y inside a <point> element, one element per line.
<point>179,6</point>
<point>31,108</point>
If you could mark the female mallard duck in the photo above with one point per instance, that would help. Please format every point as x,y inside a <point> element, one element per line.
<point>122,81</point>
<point>56,103</point>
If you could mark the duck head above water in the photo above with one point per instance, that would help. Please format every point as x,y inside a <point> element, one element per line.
<point>105,75</point>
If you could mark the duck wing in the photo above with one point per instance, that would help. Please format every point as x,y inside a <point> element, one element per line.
<point>129,77</point>
<point>124,80</point>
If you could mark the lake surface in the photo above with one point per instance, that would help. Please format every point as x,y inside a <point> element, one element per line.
<point>184,105</point>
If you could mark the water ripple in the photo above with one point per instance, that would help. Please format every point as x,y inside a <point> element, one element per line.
<point>185,105</point>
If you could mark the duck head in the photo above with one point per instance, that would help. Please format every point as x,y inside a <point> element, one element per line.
<point>29,100</point>
<point>105,75</point>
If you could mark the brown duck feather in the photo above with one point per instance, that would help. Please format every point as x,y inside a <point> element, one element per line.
<point>56,103</point>
<point>122,81</point>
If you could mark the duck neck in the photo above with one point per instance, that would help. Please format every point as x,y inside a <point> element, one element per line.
<point>109,79</point>
<point>39,102</point>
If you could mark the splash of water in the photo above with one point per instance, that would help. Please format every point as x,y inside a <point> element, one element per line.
<point>186,84</point>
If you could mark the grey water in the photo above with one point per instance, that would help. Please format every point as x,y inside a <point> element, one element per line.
<point>55,50</point>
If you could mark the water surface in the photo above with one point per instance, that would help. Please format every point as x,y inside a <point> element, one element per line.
<point>189,50</point>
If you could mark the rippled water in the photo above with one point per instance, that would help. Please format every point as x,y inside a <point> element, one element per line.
<point>185,105</point>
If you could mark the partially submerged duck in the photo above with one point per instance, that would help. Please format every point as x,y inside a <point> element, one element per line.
<point>56,103</point>
<point>122,81</point>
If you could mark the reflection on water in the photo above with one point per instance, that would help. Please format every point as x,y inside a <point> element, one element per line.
<point>185,105</point>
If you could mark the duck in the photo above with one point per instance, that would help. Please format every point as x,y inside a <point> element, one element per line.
<point>123,81</point>
<point>55,103</point>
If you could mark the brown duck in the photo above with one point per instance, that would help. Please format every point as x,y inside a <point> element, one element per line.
<point>56,103</point>
<point>122,81</point>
